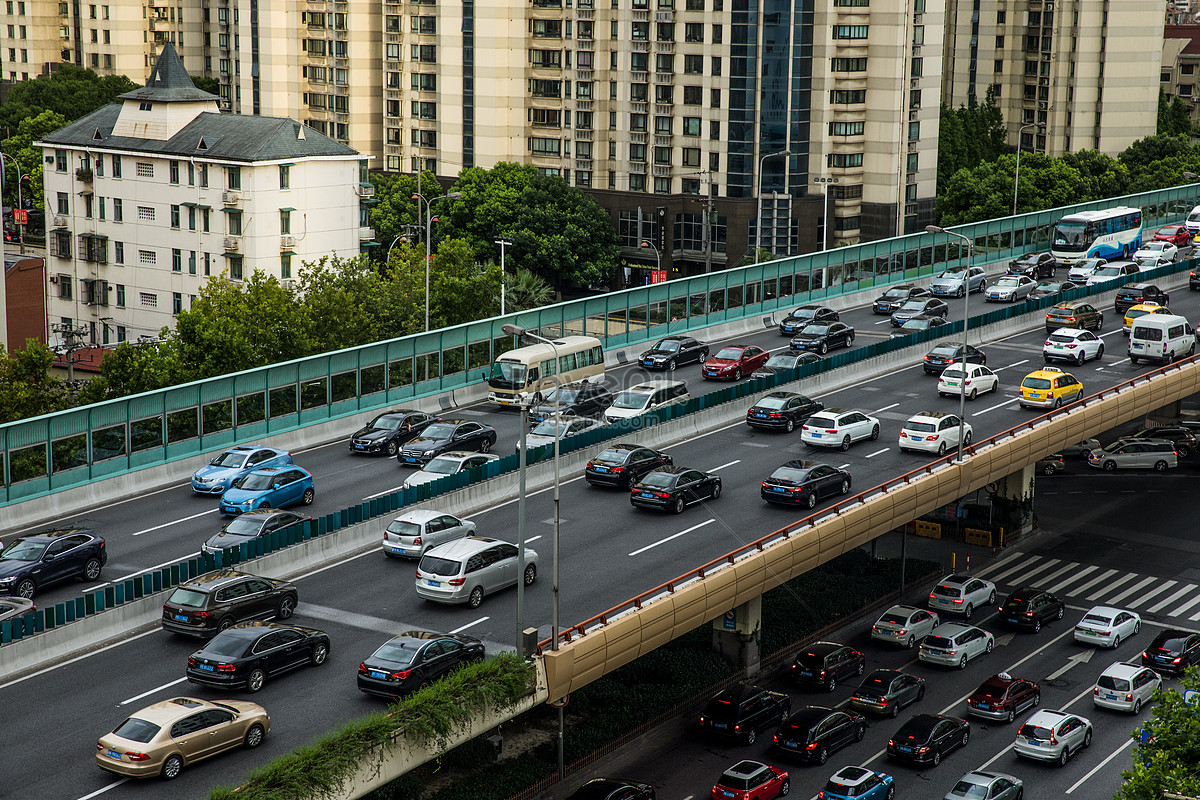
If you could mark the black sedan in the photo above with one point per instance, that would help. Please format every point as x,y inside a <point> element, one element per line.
<point>574,399</point>
<point>799,317</point>
<point>819,337</point>
<point>804,483</point>
<point>922,306</point>
<point>244,656</point>
<point>885,691</point>
<point>925,738</point>
<point>1051,289</point>
<point>784,362</point>
<point>897,296</point>
<point>813,732</point>
<point>623,465</point>
<point>34,562</point>
<point>613,789</point>
<point>942,356</point>
<point>249,526</point>
<point>918,324</point>
<point>445,435</point>
<point>1033,265</point>
<point>674,488</point>
<point>389,431</point>
<point>782,411</point>
<point>671,351</point>
<point>415,659</point>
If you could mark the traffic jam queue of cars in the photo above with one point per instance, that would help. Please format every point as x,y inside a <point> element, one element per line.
<point>248,642</point>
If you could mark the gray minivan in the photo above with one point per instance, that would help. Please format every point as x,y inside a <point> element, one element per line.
<point>465,570</point>
<point>1156,454</point>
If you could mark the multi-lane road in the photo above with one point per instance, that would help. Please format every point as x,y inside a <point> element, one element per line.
<point>609,552</point>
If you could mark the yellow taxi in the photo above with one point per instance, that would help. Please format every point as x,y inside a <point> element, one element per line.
<point>1049,387</point>
<point>1141,310</point>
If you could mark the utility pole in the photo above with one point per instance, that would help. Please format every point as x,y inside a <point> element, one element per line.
<point>72,340</point>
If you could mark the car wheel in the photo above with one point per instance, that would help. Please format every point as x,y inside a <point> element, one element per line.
<point>921,693</point>
<point>1049,469</point>
<point>822,755</point>
<point>25,588</point>
<point>1110,466</point>
<point>255,680</point>
<point>392,448</point>
<point>891,792</point>
<point>789,425</point>
<point>874,433</point>
<point>937,757</point>
<point>961,291</point>
<point>860,732</point>
<point>750,737</point>
<point>1060,613</point>
<point>475,598</point>
<point>1063,757</point>
<point>1137,706</point>
<point>172,767</point>
<point>530,574</point>
<point>1037,700</point>
<point>254,736</point>
<point>895,712</point>
<point>737,373</point>
<point>942,449</point>
<point>990,645</point>
<point>962,662</point>
<point>1085,454</point>
<point>1079,359</point>
<point>1087,738</point>
<point>966,737</point>
<point>287,606</point>
<point>784,716</point>
<point>1116,642</point>
<point>823,349</point>
<point>969,610</point>
<point>811,502</point>
<point>785,787</point>
<point>307,499</point>
<point>716,492</point>
<point>1100,352</point>
<point>678,507</point>
<point>485,446</point>
<point>1182,450</point>
<point>225,624</point>
<point>319,654</point>
<point>974,393</point>
<point>846,443</point>
<point>1010,716</point>
<point>671,364</point>
<point>1058,402</point>
<point>829,687</point>
<point>1037,625</point>
<point>1137,626</point>
<point>1160,466</point>
<point>91,570</point>
<point>845,486</point>
<point>1133,359</point>
<point>849,340</point>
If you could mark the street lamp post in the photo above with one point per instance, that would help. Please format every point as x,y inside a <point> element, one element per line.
<point>1017,175</point>
<point>962,394</point>
<point>503,243</point>
<point>758,223</point>
<point>825,225</point>
<point>657,255</point>
<point>429,220</point>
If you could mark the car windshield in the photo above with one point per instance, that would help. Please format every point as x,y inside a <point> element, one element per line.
<point>187,597</point>
<point>659,480</point>
<point>443,466</point>
<point>916,325</point>
<point>969,791</point>
<point>815,330</point>
<point>896,293</point>
<point>402,527</point>
<point>23,551</point>
<point>254,482</point>
<point>401,651</point>
<point>507,375</point>
<point>1154,246</point>
<point>566,394</point>
<point>438,566</point>
<point>385,423</point>
<point>1105,272</point>
<point>938,641</point>
<point>438,431</point>
<point>1034,732</point>
<point>913,305</point>
<point>790,474</point>
<point>730,353</point>
<point>632,399</point>
<point>1113,682</point>
<point>921,427</point>
<point>245,526</point>
<point>231,460</point>
<point>227,646</point>
<point>1069,236</point>
<point>1007,282</point>
<point>771,402</point>
<point>1036,383</point>
<point>782,361</point>
<point>610,455</point>
<point>666,345</point>
<point>137,730</point>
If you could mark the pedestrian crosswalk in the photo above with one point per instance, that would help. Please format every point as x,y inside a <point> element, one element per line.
<point>1087,583</point>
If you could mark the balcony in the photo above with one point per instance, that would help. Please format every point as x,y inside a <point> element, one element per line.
<point>583,136</point>
<point>230,198</point>
<point>639,77</point>
<point>366,234</point>
<point>233,244</point>
<point>662,172</point>
<point>664,78</point>
<point>664,47</point>
<point>637,168</point>
<point>637,138</point>
<point>84,174</point>
<point>664,16</point>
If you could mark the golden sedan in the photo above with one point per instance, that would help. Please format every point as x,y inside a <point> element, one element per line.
<point>161,739</point>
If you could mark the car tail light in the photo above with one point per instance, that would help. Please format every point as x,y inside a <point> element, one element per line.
<point>932,596</point>
<point>1192,274</point>
<point>1128,697</point>
<point>401,675</point>
<point>1095,690</point>
<point>616,470</point>
<point>902,631</point>
<point>362,667</point>
<point>903,435</point>
<point>661,495</point>
<point>776,738</point>
<point>811,746</point>
<point>1029,613</point>
<point>829,430</point>
<point>1176,660</point>
<point>775,415</point>
<point>958,601</point>
<point>1072,346</point>
<point>883,701</point>
<point>417,540</point>
<point>703,719</point>
<point>821,673</point>
<point>1070,319</point>
<point>1047,343</point>
<point>191,661</point>
<point>456,581</point>
<point>1053,738</point>
<point>737,727</point>
<point>137,756</point>
<point>933,438</point>
<point>226,668</point>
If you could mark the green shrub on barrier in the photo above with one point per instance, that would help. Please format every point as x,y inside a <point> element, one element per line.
<point>427,718</point>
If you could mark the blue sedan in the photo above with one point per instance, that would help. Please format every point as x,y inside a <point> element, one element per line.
<point>271,487</point>
<point>224,469</point>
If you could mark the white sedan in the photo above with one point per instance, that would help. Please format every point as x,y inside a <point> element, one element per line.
<point>1010,288</point>
<point>1084,269</point>
<point>1107,626</point>
<point>978,380</point>
<point>1163,251</point>
<point>1072,344</point>
<point>838,427</point>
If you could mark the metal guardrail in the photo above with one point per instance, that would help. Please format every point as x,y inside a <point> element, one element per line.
<point>134,588</point>
<point>75,447</point>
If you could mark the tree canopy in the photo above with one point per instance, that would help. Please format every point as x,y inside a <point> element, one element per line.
<point>1169,758</point>
<point>968,135</point>
<point>19,146</point>
<point>1173,116</point>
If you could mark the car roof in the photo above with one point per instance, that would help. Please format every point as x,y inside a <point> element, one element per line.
<point>273,470</point>
<point>837,412</point>
<point>781,394</point>
<point>399,412</point>
<point>462,454</point>
<point>956,579</point>
<point>932,415</point>
<point>1109,611</point>
<point>261,512</point>
<point>1029,591</point>
<point>1069,331</point>
<point>419,515</point>
<point>852,776</point>
<point>1047,717</point>
<point>449,421</point>
<point>650,386</point>
<point>52,534</point>
<point>1046,372</point>
<point>254,628</point>
<point>1071,304</point>
<point>805,716</point>
<point>215,579</point>
<point>739,692</point>
<point>951,629</point>
<point>1121,669</point>
<point>672,469</point>
<point>821,648</point>
<point>674,337</point>
<point>799,463</point>
<point>165,712</point>
<point>901,608</point>
<point>922,722</point>
<point>467,546</point>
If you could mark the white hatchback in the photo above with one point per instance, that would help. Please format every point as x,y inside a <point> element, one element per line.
<point>979,379</point>
<point>1107,626</point>
<point>1125,687</point>
<point>838,427</point>
<point>1072,344</point>
<point>1053,736</point>
<point>933,432</point>
<point>961,594</point>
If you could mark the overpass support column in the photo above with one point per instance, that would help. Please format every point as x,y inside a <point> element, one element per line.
<point>1012,502</point>
<point>736,635</point>
<point>1167,415</point>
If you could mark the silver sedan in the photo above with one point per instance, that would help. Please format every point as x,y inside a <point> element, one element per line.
<point>990,785</point>
<point>1009,289</point>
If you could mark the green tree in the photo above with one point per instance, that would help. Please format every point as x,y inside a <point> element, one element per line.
<point>27,158</point>
<point>969,135</point>
<point>525,290</point>
<point>1103,175</point>
<point>27,389</point>
<point>204,84</point>
<point>339,303</point>
<point>395,213</point>
<point>1168,761</point>
<point>460,290</point>
<point>986,191</point>
<point>1173,116</point>
<point>135,367</point>
<point>1146,151</point>
<point>69,90</point>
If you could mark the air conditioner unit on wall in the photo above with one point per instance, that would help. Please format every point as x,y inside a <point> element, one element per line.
<point>232,243</point>
<point>230,198</point>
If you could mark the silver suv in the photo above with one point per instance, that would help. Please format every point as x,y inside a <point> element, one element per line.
<point>463,571</point>
<point>413,533</point>
<point>1053,736</point>
<point>953,645</point>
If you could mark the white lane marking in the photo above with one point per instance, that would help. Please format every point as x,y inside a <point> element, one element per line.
<point>1001,563</point>
<point>1101,765</point>
<point>470,625</point>
<point>885,408</point>
<point>983,411</point>
<point>115,785</point>
<point>1160,606</point>
<point>1039,568</point>
<point>1110,333</point>
<point>1109,587</point>
<point>882,322</point>
<point>723,466</point>
<point>843,466</point>
<point>877,452</point>
<point>1142,584</point>
<point>1023,565</point>
<point>1152,593</point>
<point>1053,576</point>
<point>1183,609</point>
<point>533,538</point>
<point>1080,574</point>
<point>61,664</point>
<point>175,522</point>
<point>1016,364</point>
<point>672,536</point>
<point>156,689</point>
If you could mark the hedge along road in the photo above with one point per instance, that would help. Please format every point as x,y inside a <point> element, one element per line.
<point>610,552</point>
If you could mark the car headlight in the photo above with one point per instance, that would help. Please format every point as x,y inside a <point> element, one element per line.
<point>9,579</point>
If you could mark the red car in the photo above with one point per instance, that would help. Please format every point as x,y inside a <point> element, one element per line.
<point>1177,235</point>
<point>751,780</point>
<point>731,363</point>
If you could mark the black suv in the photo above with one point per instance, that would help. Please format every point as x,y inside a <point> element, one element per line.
<point>1035,265</point>
<point>741,711</point>
<point>1132,294</point>
<point>32,562</point>
<point>1028,607</point>
<point>211,603</point>
<point>1173,651</point>
<point>1183,438</point>
<point>823,664</point>
<point>574,399</point>
<point>623,465</point>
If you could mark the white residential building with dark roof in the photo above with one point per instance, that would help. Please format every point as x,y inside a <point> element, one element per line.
<point>148,197</point>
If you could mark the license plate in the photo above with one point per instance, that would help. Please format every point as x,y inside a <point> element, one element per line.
<point>113,754</point>
<point>1160,658</point>
<point>984,706</point>
<point>648,363</point>
<point>207,667</point>
<point>1111,696</point>
<point>817,435</point>
<point>600,469</point>
<point>790,743</point>
<point>904,749</point>
<point>1035,396</point>
<point>936,652</point>
<point>727,793</point>
<point>646,494</point>
<point>712,373</point>
<point>181,617</point>
<point>397,549</point>
<point>917,438</point>
<point>360,447</point>
<point>720,725</point>
<point>1034,742</point>
<point>411,459</point>
<point>806,674</point>
<point>1137,346</point>
<point>377,674</point>
<point>778,489</point>
<point>434,584</point>
<point>760,413</point>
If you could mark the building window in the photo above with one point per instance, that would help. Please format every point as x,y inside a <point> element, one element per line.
<point>60,244</point>
<point>845,159</point>
<point>145,169</point>
<point>637,183</point>
<point>64,203</point>
<point>850,31</point>
<point>204,176</point>
<point>204,219</point>
<point>847,223</point>
<point>693,32</point>
<point>174,216</point>
<point>176,260</point>
<point>285,176</point>
<point>233,177</point>
<point>60,160</point>
<point>116,165</point>
<point>539,146</point>
<point>191,174</point>
<point>847,128</point>
<point>693,65</point>
<point>918,67</point>
<point>849,65</point>
<point>662,185</point>
<point>191,218</point>
<point>233,223</point>
<point>100,207</point>
<point>691,157</point>
<point>64,287</point>
<point>235,267</point>
<point>691,126</point>
<point>285,265</point>
<point>662,156</point>
<point>119,258</point>
<point>146,213</point>
<point>121,295</point>
<point>148,299</point>
<point>693,95</point>
<point>714,131</point>
<point>174,172</point>
<point>192,262</point>
<point>637,152</point>
<point>285,221</point>
<point>147,257</point>
<point>176,303</point>
<point>848,96</point>
<point>662,125</point>
<point>118,210</point>
<point>914,131</point>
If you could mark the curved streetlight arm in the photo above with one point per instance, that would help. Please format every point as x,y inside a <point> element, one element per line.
<point>962,387</point>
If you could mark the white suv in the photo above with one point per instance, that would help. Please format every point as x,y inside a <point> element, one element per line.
<point>838,427</point>
<point>1124,687</point>
<point>1053,736</point>
<point>933,431</point>
<point>961,594</point>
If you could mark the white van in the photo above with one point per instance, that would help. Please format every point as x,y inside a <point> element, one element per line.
<point>645,397</point>
<point>1161,337</point>
<point>1193,221</point>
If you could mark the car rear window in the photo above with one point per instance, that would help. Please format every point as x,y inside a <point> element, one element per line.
<point>404,528</point>
<point>822,422</point>
<point>810,659</point>
<point>969,791</point>
<point>137,730</point>
<point>1114,683</point>
<point>939,641</point>
<point>989,689</point>
<point>948,591</point>
<point>399,652</point>
<point>1172,644</point>
<point>921,427</point>
<point>1147,334</point>
<point>1062,338</point>
<point>721,709</point>
<point>735,781</point>
<point>188,597</point>
<point>895,619</point>
<point>771,402</point>
<point>1096,618</point>
<point>439,566</point>
<point>1034,732</point>
<point>790,474</point>
<point>842,789</point>
<point>1036,383</point>
<point>614,456</point>
<point>1015,602</point>
<point>659,480</point>
<point>230,646</point>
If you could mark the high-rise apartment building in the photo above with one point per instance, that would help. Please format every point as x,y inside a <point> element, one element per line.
<point>1069,74</point>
